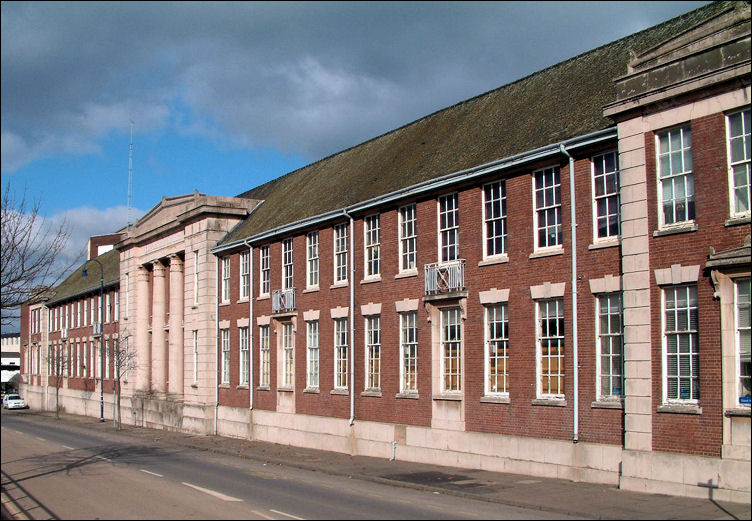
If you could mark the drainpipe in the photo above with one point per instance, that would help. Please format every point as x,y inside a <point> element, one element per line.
<point>573,219</point>
<point>250,322</point>
<point>352,317</point>
<point>216,347</point>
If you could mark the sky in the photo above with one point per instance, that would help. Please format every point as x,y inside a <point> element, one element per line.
<point>225,96</point>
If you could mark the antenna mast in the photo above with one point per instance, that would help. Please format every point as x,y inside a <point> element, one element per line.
<point>130,176</point>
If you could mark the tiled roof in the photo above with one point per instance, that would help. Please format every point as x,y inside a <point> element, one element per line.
<point>76,284</point>
<point>553,105</point>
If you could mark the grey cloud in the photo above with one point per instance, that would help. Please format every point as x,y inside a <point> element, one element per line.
<point>308,78</point>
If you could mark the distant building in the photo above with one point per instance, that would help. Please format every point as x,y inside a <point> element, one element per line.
<point>11,360</point>
<point>551,278</point>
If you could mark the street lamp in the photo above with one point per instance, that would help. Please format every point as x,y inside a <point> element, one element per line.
<point>101,334</point>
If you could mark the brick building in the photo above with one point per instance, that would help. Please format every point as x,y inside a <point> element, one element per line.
<point>520,282</point>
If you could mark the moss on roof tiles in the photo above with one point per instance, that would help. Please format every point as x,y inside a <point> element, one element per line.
<point>76,284</point>
<point>558,103</point>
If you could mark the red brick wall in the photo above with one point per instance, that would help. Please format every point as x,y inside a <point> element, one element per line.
<point>695,434</point>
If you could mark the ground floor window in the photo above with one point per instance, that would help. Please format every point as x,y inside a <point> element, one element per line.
<point>225,361</point>
<point>680,344</point>
<point>451,349</point>
<point>550,348</point>
<point>312,336</point>
<point>743,310</point>
<point>497,344</point>
<point>609,343</point>
<point>373,352</point>
<point>288,355</point>
<point>244,368</point>
<point>264,355</point>
<point>409,352</point>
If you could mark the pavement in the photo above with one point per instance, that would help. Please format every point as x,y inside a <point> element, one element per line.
<point>551,496</point>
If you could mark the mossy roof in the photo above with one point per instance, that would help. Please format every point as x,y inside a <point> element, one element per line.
<point>553,105</point>
<point>77,285</point>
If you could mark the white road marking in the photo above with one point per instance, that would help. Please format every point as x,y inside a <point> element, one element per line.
<point>261,514</point>
<point>69,448</point>
<point>40,439</point>
<point>217,495</point>
<point>102,457</point>
<point>152,473</point>
<point>283,514</point>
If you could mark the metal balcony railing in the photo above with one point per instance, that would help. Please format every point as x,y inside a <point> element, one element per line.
<point>442,277</point>
<point>283,300</point>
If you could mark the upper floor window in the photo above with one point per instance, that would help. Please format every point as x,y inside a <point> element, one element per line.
<point>372,253</point>
<point>407,238</point>
<point>340,253</point>
<point>676,187</point>
<point>245,274</point>
<point>225,279</point>
<point>195,279</point>
<point>287,280</point>
<point>606,195</point>
<point>449,228</point>
<point>743,309</point>
<point>681,354</point>
<point>312,259</point>
<point>495,219</point>
<point>547,185</point>
<point>738,130</point>
<point>265,275</point>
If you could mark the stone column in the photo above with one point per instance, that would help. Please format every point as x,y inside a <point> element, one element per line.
<point>177,291</point>
<point>143,347</point>
<point>158,346</point>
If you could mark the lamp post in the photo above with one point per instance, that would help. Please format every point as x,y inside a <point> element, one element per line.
<point>101,334</point>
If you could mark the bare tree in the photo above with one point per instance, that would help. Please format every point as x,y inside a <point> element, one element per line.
<point>125,361</point>
<point>58,364</point>
<point>30,247</point>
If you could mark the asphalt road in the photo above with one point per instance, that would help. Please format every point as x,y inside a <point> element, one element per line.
<point>56,471</point>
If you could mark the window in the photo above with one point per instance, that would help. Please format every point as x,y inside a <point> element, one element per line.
<point>550,348</point>
<point>372,253</point>
<point>742,296</point>
<point>312,259</point>
<point>244,367</point>
<point>340,353</point>
<point>449,231</point>
<point>264,355</point>
<point>78,314</point>
<point>681,356</point>
<point>288,355</point>
<point>609,343</point>
<point>245,274</point>
<point>287,280</point>
<point>451,350</point>
<point>340,253</point>
<point>264,279</point>
<point>106,359</point>
<point>606,195</point>
<point>738,130</point>
<point>407,238</point>
<point>107,309</point>
<point>195,278</point>
<point>225,279</point>
<point>86,312</point>
<point>127,297</point>
<point>497,345</point>
<point>312,335</point>
<point>373,352</point>
<point>195,356</point>
<point>408,352</point>
<point>547,184</point>
<point>495,219</point>
<point>225,334</point>
<point>116,315</point>
<point>676,187</point>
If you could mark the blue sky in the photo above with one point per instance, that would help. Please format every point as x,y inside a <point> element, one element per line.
<point>226,96</point>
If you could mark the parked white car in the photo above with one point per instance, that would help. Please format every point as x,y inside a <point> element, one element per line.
<point>14,401</point>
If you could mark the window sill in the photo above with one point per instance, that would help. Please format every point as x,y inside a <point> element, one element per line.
<point>607,404</point>
<point>737,220</point>
<point>285,390</point>
<point>263,388</point>
<point>242,387</point>
<point>741,411</point>
<point>673,230</point>
<point>680,408</point>
<point>338,285</point>
<point>605,243</point>
<point>341,392</point>
<point>195,306</point>
<point>490,261</point>
<point>370,280</point>
<point>242,300</point>
<point>371,393</point>
<point>550,402</point>
<point>224,386</point>
<point>547,253</point>
<point>194,385</point>
<point>494,399</point>
<point>406,274</point>
<point>224,303</point>
<point>407,395</point>
<point>312,390</point>
<point>312,289</point>
<point>448,397</point>
<point>263,297</point>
